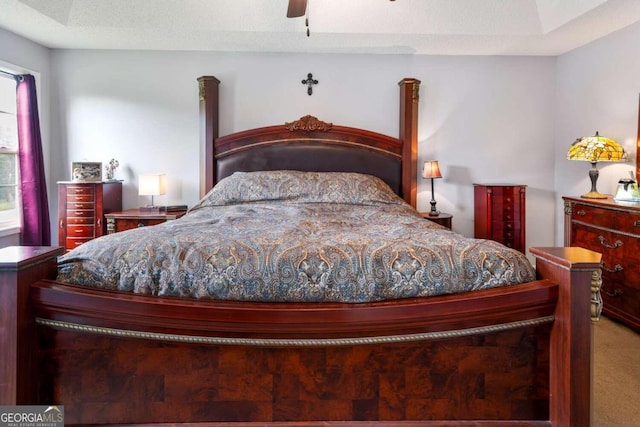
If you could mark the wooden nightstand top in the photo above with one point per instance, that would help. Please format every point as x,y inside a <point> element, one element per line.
<point>443,218</point>
<point>143,214</point>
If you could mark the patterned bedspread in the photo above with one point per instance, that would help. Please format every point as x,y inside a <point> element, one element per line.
<point>295,236</point>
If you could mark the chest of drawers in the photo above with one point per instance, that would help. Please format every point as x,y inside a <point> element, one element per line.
<point>81,210</point>
<point>613,229</point>
<point>499,214</point>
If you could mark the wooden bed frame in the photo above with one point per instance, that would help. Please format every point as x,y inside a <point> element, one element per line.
<point>516,356</point>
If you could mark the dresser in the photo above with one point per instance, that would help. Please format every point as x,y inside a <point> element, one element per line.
<point>499,214</point>
<point>612,229</point>
<point>81,210</point>
<point>134,218</point>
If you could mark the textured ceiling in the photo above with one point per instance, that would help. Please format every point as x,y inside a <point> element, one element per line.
<point>447,27</point>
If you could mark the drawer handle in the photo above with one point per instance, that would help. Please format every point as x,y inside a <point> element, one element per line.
<point>616,293</point>
<point>637,223</point>
<point>581,213</point>
<point>617,268</point>
<point>602,239</point>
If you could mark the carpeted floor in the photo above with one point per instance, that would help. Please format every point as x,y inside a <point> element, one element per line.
<point>616,375</point>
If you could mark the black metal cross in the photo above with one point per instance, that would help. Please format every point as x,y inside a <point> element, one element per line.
<point>309,82</point>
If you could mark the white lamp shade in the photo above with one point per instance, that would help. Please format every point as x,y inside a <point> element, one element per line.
<point>152,184</point>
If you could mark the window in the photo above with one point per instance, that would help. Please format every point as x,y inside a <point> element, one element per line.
<point>9,194</point>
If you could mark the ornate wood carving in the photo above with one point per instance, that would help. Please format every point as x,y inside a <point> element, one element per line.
<point>309,123</point>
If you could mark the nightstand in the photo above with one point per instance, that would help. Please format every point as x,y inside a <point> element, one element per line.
<point>134,218</point>
<point>443,218</point>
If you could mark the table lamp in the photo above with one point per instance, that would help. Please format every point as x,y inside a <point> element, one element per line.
<point>596,149</point>
<point>152,185</point>
<point>431,170</point>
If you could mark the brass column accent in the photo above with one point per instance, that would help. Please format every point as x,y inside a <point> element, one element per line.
<point>596,297</point>
<point>409,97</point>
<point>208,95</point>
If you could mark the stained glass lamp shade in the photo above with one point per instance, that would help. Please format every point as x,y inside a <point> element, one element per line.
<point>596,149</point>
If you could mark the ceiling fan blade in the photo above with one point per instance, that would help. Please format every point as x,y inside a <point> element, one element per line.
<point>296,8</point>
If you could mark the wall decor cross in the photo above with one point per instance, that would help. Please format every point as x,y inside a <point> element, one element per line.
<point>309,82</point>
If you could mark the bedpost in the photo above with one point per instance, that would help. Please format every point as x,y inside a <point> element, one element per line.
<point>409,97</point>
<point>20,266</point>
<point>208,95</point>
<point>577,271</point>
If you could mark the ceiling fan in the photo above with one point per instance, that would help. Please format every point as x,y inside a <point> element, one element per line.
<point>296,8</point>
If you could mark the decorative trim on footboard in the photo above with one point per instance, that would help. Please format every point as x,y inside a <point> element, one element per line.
<point>268,342</point>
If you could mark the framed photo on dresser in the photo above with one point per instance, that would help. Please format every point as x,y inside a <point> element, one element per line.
<point>86,171</point>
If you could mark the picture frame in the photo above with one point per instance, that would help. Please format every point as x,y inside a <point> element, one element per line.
<point>86,171</point>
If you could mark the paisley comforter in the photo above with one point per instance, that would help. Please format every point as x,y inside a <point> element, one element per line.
<point>295,236</point>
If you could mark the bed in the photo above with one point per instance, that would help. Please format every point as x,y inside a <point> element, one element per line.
<point>318,341</point>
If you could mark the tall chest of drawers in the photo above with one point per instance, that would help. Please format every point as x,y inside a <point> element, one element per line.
<point>81,210</point>
<point>499,214</point>
<point>612,229</point>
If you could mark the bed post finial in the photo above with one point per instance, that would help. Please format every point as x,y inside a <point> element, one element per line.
<point>208,95</point>
<point>409,97</point>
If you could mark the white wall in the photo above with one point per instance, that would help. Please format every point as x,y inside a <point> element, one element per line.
<point>597,90</point>
<point>142,107</point>
<point>486,119</point>
<point>24,56</point>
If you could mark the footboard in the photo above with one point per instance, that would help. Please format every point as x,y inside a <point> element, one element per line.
<point>517,356</point>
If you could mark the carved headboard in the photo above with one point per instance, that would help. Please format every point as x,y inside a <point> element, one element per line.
<point>310,144</point>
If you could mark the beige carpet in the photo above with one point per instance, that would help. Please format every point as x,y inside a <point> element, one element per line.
<point>616,375</point>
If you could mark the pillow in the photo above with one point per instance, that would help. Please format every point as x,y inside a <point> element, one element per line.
<point>301,187</point>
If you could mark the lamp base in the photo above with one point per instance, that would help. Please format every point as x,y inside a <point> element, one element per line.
<point>593,195</point>
<point>150,208</point>
<point>433,211</point>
